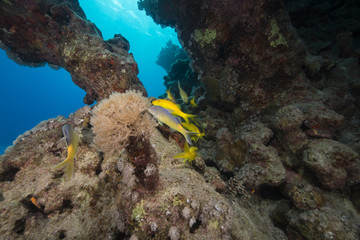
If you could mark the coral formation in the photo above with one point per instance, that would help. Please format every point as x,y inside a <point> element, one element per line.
<point>227,45</point>
<point>176,62</point>
<point>58,33</point>
<point>335,164</point>
<point>280,159</point>
<point>169,54</point>
<point>118,118</point>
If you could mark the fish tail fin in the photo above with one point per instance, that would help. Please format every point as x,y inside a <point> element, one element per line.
<point>187,116</point>
<point>194,138</point>
<point>70,169</point>
<point>62,164</point>
<point>69,164</point>
<point>188,137</point>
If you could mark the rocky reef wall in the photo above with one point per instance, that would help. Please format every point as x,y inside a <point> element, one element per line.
<point>245,51</point>
<point>36,32</point>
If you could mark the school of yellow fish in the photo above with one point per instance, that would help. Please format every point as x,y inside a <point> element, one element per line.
<point>168,111</point>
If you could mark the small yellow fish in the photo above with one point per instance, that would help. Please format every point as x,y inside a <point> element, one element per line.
<point>173,108</point>
<point>183,94</point>
<point>164,116</point>
<point>189,154</point>
<point>193,128</point>
<point>72,141</point>
<point>170,96</point>
<point>33,201</point>
<point>193,103</point>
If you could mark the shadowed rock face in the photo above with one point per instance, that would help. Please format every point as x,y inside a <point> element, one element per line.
<point>36,32</point>
<point>245,51</point>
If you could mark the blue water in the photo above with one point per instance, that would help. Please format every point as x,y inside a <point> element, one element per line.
<point>30,95</point>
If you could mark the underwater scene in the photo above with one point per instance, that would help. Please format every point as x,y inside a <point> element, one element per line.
<point>169,120</point>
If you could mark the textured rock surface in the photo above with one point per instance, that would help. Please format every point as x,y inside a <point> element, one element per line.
<point>263,164</point>
<point>36,32</point>
<point>227,39</point>
<point>336,220</point>
<point>279,160</point>
<point>334,164</point>
<point>302,194</point>
<point>106,199</point>
<point>330,23</point>
<point>284,99</point>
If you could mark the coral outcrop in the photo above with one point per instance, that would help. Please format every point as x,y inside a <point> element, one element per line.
<point>281,115</point>
<point>227,41</point>
<point>336,165</point>
<point>109,197</point>
<point>280,159</point>
<point>176,62</point>
<point>169,54</point>
<point>36,32</point>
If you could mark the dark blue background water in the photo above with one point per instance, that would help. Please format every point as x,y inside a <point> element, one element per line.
<point>30,95</point>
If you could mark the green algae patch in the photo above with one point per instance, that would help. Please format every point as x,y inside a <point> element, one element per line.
<point>204,37</point>
<point>214,223</point>
<point>276,38</point>
<point>178,200</point>
<point>138,211</point>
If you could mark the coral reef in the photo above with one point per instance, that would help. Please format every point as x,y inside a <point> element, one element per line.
<point>336,29</point>
<point>169,54</point>
<point>181,72</point>
<point>335,164</point>
<point>281,116</point>
<point>280,159</point>
<point>226,40</point>
<point>109,196</point>
<point>176,62</point>
<point>58,33</point>
<point>118,118</point>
